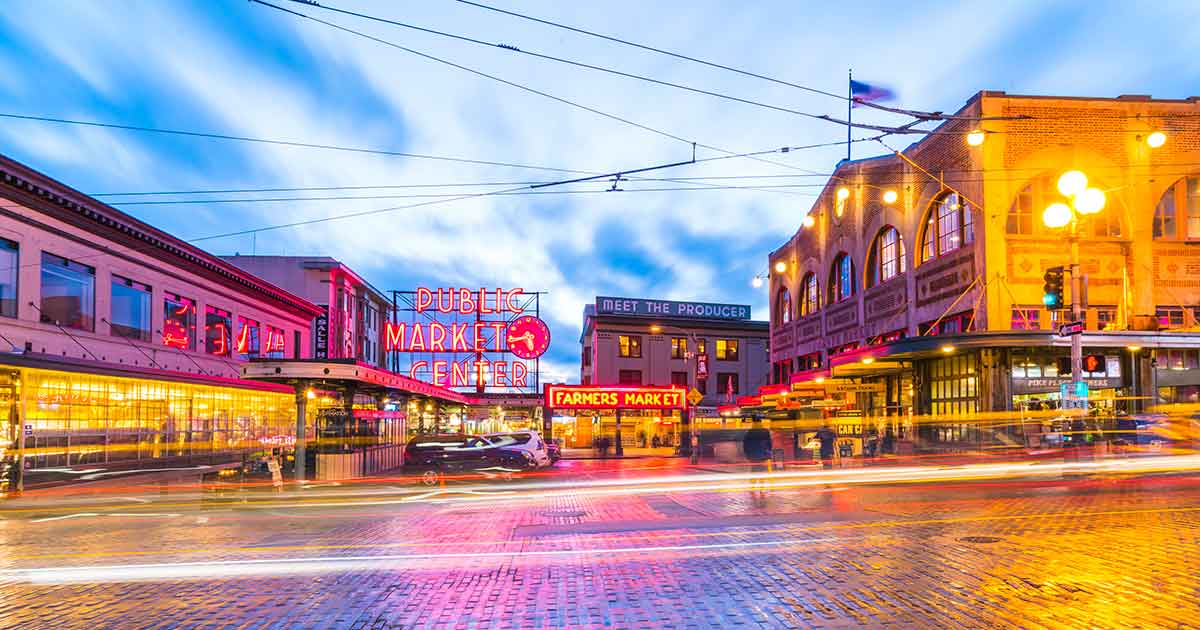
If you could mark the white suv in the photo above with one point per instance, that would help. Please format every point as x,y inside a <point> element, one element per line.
<point>528,441</point>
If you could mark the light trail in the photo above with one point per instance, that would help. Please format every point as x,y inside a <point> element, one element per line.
<point>540,490</point>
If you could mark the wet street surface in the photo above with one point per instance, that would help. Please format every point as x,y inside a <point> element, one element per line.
<point>635,544</point>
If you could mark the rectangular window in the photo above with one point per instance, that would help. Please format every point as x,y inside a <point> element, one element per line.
<point>217,331</point>
<point>701,347</point>
<point>68,293</point>
<point>247,338</point>
<point>295,345</point>
<point>1025,317</point>
<point>702,386</point>
<point>629,377</point>
<point>678,347</point>
<point>587,357</point>
<point>1169,316</point>
<point>179,322</point>
<point>275,343</point>
<point>130,316</point>
<point>630,346</point>
<point>727,350</point>
<point>1193,207</point>
<point>679,378</point>
<point>727,382</point>
<point>9,264</point>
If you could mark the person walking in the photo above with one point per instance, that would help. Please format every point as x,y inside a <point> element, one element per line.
<point>827,437</point>
<point>756,444</point>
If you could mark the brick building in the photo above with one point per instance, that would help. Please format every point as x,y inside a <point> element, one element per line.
<point>922,271</point>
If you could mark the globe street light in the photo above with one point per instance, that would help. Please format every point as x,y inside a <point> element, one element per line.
<point>1085,201</point>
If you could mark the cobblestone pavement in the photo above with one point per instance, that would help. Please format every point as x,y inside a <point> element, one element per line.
<point>1077,553</point>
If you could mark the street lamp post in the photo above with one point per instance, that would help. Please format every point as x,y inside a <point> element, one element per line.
<point>692,359</point>
<point>1084,201</point>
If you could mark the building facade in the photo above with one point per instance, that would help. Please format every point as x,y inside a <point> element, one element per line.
<point>715,349</point>
<point>123,344</point>
<point>352,325</point>
<point>923,271</point>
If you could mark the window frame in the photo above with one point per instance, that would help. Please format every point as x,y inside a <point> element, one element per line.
<point>727,349</point>
<point>810,294</point>
<point>1183,196</point>
<point>841,275</point>
<point>941,216</point>
<point>145,289</point>
<point>783,306</point>
<point>9,307</point>
<point>629,346</point>
<point>679,347</point>
<point>87,317</point>
<point>883,254</point>
<point>217,312</point>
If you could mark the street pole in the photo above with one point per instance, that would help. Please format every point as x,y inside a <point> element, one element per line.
<point>301,414</point>
<point>1076,340</point>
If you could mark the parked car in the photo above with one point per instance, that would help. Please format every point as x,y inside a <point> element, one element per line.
<point>436,454</point>
<point>528,441</point>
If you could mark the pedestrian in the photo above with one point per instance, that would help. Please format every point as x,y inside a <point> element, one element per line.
<point>756,444</point>
<point>827,437</point>
<point>655,441</point>
<point>871,448</point>
<point>889,441</point>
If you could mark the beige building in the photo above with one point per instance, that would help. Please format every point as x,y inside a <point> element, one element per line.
<point>924,269</point>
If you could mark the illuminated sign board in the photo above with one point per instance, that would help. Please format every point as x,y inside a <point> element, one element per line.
<point>596,397</point>
<point>667,308</point>
<point>478,323</point>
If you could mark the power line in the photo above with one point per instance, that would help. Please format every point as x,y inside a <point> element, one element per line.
<point>289,143</point>
<point>515,49</point>
<point>626,42</point>
<point>504,81</point>
<point>519,193</point>
<point>213,191</point>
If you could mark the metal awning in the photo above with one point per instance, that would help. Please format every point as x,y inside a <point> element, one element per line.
<point>346,373</point>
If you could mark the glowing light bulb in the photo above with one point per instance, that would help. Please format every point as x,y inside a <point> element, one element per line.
<point>1090,201</point>
<point>976,137</point>
<point>809,221</point>
<point>889,197</point>
<point>1156,139</point>
<point>780,267</point>
<point>757,282</point>
<point>1072,183</point>
<point>843,193</point>
<point>1056,215</point>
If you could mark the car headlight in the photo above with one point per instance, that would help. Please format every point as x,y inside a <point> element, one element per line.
<point>527,455</point>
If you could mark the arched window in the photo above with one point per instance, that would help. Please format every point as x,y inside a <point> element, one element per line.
<point>1177,215</point>
<point>887,257</point>
<point>810,295</point>
<point>783,306</point>
<point>950,226</point>
<point>1025,213</point>
<point>841,279</point>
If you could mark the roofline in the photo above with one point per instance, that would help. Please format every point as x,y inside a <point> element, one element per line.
<point>34,186</point>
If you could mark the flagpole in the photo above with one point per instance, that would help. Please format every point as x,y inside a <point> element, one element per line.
<point>849,104</point>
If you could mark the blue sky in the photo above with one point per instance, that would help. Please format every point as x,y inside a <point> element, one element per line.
<point>234,67</point>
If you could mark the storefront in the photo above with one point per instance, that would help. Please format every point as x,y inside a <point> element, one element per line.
<point>64,420</point>
<point>653,418</point>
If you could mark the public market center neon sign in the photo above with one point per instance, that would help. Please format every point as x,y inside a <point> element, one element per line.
<point>523,336</point>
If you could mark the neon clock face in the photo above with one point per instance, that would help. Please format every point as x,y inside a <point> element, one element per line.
<point>528,337</point>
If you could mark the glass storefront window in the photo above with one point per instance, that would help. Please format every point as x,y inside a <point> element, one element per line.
<point>87,419</point>
<point>247,338</point>
<point>130,309</point>
<point>217,331</point>
<point>9,264</point>
<point>179,322</point>
<point>68,293</point>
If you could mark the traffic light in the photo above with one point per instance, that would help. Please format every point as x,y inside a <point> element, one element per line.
<point>1095,364</point>
<point>1052,290</point>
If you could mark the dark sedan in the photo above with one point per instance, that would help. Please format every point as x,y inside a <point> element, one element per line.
<point>433,455</point>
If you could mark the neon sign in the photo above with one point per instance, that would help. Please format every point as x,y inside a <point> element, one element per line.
<point>591,397</point>
<point>511,331</point>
